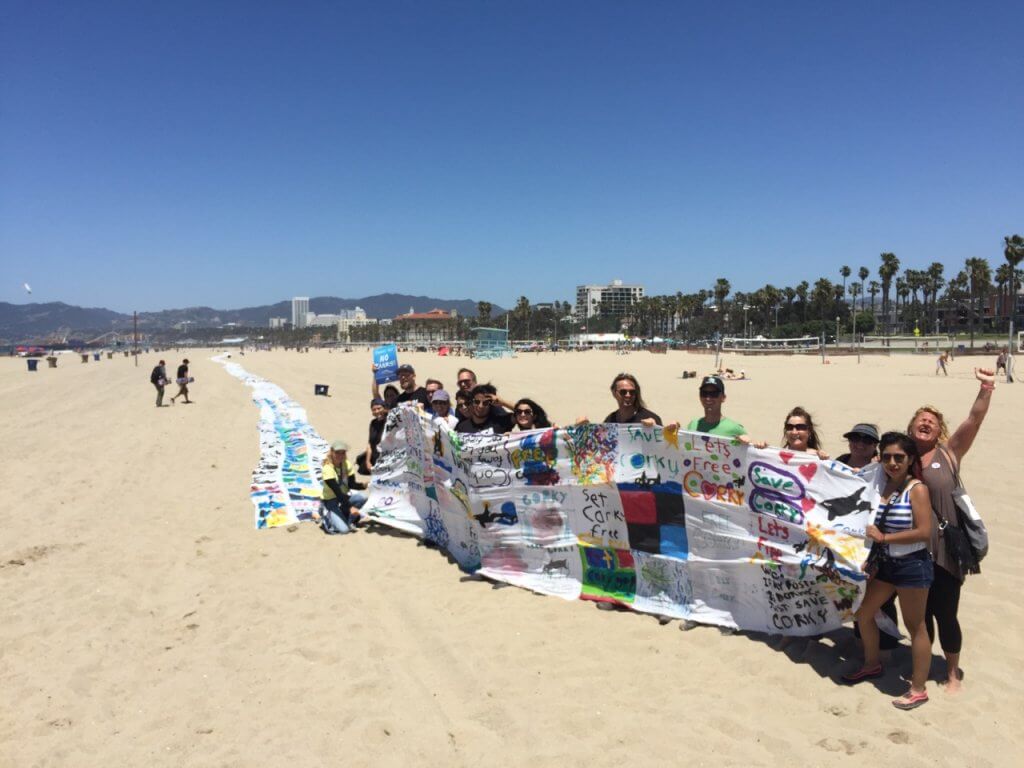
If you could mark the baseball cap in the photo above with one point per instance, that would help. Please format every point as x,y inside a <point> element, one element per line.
<point>713,381</point>
<point>864,430</point>
<point>406,368</point>
<point>440,394</point>
<point>339,445</point>
<point>378,401</point>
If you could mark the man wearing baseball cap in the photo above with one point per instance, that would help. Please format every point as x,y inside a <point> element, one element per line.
<point>712,395</point>
<point>410,392</point>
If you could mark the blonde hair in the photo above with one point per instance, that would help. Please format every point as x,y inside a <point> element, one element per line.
<point>943,429</point>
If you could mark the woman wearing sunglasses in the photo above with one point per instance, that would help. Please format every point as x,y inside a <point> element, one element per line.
<point>899,551</point>
<point>529,415</point>
<point>632,410</point>
<point>798,434</point>
<point>942,454</point>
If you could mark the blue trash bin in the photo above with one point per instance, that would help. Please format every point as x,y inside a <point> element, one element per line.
<point>32,363</point>
<point>95,355</point>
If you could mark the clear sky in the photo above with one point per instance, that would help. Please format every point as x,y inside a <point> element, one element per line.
<point>169,154</point>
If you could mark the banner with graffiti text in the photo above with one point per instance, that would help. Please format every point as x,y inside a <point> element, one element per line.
<point>661,521</point>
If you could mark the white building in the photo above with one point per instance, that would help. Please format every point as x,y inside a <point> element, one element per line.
<point>300,310</point>
<point>613,299</point>
<point>278,322</point>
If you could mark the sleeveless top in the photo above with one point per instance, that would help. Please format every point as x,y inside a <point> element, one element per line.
<point>898,516</point>
<point>941,482</point>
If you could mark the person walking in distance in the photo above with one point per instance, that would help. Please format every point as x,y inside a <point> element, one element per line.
<point>158,378</point>
<point>183,381</point>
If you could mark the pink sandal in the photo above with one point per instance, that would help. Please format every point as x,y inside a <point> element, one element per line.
<point>910,700</point>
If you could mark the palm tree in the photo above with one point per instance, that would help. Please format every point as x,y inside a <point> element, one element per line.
<point>863,273</point>
<point>874,289</point>
<point>935,283</point>
<point>1014,254</point>
<point>902,292</point>
<point>801,292</point>
<point>887,271</point>
<point>845,272</point>
<point>979,274</point>
<point>483,311</point>
<point>1003,277</point>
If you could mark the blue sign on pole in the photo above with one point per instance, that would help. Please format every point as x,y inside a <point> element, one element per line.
<point>385,364</point>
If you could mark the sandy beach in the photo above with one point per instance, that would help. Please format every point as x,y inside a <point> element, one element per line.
<point>146,621</point>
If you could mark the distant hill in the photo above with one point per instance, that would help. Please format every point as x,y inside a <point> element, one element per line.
<point>23,321</point>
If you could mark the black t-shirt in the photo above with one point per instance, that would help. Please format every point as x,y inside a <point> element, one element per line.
<point>497,423</point>
<point>376,433</point>
<point>641,413</point>
<point>182,371</point>
<point>418,395</point>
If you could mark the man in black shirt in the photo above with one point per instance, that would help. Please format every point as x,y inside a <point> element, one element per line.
<point>366,459</point>
<point>183,381</point>
<point>159,380</point>
<point>483,418</point>
<point>410,392</point>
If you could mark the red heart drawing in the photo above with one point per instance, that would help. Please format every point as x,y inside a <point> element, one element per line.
<point>807,503</point>
<point>785,456</point>
<point>808,470</point>
<point>708,489</point>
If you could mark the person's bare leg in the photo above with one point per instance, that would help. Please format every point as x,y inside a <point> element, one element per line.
<point>877,593</point>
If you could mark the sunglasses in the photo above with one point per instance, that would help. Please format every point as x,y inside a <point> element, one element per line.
<point>524,412</point>
<point>625,392</point>
<point>797,427</point>
<point>899,458</point>
<point>481,402</point>
<point>709,393</point>
<point>861,439</point>
<point>465,382</point>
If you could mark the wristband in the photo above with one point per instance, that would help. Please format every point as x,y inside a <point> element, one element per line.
<point>987,386</point>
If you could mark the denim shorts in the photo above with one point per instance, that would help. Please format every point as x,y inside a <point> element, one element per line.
<point>913,570</point>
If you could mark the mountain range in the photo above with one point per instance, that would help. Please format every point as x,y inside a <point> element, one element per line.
<point>20,322</point>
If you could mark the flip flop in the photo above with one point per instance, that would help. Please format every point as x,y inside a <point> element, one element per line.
<point>910,700</point>
<point>862,674</point>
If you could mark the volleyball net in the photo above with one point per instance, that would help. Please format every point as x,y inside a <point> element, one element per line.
<point>795,346</point>
<point>936,342</point>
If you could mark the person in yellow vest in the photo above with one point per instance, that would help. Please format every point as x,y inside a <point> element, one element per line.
<point>339,482</point>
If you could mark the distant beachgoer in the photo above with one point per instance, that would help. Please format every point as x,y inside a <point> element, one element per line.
<point>940,364</point>
<point>159,380</point>
<point>1001,360</point>
<point>712,396</point>
<point>366,459</point>
<point>183,381</point>
<point>632,409</point>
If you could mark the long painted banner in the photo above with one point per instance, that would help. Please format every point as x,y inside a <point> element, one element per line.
<point>667,522</point>
<point>286,483</point>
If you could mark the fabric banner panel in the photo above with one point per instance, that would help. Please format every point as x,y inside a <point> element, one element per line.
<point>657,520</point>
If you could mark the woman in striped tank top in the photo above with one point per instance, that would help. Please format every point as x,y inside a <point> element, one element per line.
<point>900,538</point>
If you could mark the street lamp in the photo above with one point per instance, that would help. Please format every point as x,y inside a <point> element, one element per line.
<point>837,332</point>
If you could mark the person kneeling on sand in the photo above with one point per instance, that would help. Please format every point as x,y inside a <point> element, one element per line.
<point>340,512</point>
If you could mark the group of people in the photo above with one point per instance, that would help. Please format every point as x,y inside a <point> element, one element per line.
<point>158,378</point>
<point>909,561</point>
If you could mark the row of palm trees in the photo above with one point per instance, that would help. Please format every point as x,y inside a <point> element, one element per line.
<point>913,300</point>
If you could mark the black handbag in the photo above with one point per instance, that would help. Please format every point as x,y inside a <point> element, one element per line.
<point>967,542</point>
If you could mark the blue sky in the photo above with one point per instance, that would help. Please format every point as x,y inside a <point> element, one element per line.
<point>157,155</point>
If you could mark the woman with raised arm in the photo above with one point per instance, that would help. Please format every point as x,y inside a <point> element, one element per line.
<point>941,457</point>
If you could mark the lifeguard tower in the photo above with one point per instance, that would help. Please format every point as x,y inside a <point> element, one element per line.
<point>490,343</point>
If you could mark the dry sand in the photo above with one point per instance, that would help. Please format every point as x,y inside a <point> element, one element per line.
<point>145,621</point>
